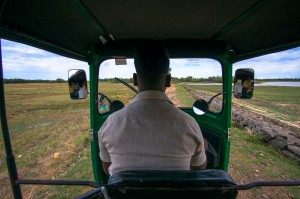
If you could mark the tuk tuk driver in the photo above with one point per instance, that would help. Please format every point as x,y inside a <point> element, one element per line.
<point>151,133</point>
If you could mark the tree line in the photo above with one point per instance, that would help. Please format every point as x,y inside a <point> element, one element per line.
<point>280,80</point>
<point>18,80</point>
<point>213,79</point>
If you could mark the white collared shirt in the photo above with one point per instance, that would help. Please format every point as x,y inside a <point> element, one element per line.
<point>151,134</point>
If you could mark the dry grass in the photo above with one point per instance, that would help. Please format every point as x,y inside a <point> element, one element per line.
<point>50,138</point>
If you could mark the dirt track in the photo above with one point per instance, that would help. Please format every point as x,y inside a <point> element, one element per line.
<point>171,92</point>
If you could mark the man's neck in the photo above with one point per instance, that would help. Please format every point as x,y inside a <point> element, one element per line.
<point>141,89</point>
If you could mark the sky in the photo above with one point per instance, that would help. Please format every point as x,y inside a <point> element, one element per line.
<point>26,62</point>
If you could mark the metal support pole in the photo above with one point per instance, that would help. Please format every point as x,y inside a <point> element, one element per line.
<point>10,159</point>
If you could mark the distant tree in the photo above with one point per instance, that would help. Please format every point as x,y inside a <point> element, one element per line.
<point>59,80</point>
<point>189,78</point>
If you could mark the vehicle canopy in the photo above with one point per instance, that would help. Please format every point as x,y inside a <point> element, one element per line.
<point>251,27</point>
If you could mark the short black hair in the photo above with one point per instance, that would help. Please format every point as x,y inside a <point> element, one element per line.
<point>152,58</point>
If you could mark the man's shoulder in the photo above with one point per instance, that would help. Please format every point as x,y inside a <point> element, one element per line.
<point>118,114</point>
<point>182,113</point>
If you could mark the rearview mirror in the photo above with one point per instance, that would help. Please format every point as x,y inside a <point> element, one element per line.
<point>200,107</point>
<point>243,83</point>
<point>77,84</point>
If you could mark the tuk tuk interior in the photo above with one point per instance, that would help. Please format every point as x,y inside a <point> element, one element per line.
<point>95,31</point>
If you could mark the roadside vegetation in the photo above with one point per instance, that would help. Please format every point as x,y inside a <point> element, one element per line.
<point>50,138</point>
<point>280,103</point>
<point>252,160</point>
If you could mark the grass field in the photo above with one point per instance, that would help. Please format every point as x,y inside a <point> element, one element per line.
<point>250,158</point>
<point>50,138</point>
<point>280,103</point>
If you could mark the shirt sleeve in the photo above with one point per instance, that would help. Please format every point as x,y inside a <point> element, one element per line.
<point>199,156</point>
<point>104,155</point>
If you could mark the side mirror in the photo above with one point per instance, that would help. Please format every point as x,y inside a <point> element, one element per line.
<point>78,88</point>
<point>200,107</point>
<point>243,83</point>
<point>116,105</point>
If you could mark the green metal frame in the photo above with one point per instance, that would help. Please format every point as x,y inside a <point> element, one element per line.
<point>10,159</point>
<point>219,124</point>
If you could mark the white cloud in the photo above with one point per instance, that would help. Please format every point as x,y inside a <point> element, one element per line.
<point>284,64</point>
<point>23,49</point>
<point>21,61</point>
<point>180,68</point>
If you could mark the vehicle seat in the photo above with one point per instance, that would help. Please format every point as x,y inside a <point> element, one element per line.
<point>171,184</point>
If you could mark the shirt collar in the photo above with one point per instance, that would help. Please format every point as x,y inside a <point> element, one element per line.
<point>152,95</point>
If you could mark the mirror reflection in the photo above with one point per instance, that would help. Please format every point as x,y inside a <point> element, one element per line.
<point>103,103</point>
<point>77,84</point>
<point>243,83</point>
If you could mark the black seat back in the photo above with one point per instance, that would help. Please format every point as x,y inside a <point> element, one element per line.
<point>171,184</point>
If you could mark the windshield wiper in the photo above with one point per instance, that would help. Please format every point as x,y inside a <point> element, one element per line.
<point>128,85</point>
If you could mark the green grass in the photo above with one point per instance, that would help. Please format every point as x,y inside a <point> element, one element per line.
<point>184,96</point>
<point>50,139</point>
<point>117,91</point>
<point>252,160</point>
<point>284,101</point>
<point>280,94</point>
<point>207,92</point>
<point>211,88</point>
<point>280,103</point>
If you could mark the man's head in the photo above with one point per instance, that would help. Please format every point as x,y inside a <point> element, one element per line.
<point>152,68</point>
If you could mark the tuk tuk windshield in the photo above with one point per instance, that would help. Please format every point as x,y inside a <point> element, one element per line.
<point>192,79</point>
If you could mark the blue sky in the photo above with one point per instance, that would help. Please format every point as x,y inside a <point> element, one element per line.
<point>22,61</point>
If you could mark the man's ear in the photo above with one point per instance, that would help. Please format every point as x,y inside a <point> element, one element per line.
<point>135,82</point>
<point>168,80</point>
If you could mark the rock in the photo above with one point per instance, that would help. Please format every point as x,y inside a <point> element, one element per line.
<point>279,142</point>
<point>276,130</point>
<point>294,149</point>
<point>267,133</point>
<point>234,114</point>
<point>256,129</point>
<point>240,122</point>
<point>252,123</point>
<point>264,196</point>
<point>292,140</point>
<point>292,155</point>
<point>245,121</point>
<point>272,131</point>
<point>291,196</point>
<point>283,134</point>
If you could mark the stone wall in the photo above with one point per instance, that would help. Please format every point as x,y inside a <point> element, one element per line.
<point>273,133</point>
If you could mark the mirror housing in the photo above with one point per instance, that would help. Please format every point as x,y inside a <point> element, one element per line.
<point>77,80</point>
<point>200,107</point>
<point>243,83</point>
